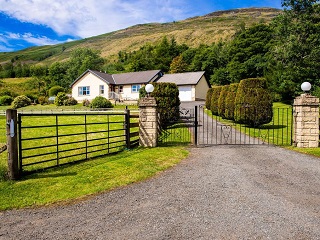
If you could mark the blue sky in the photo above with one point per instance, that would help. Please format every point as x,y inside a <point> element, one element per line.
<point>26,23</point>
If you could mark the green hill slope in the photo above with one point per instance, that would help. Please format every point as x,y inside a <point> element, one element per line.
<point>194,31</point>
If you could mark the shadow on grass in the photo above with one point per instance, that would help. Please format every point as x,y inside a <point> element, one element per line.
<point>52,175</point>
<point>271,127</point>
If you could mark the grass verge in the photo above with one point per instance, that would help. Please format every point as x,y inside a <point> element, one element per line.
<point>75,181</point>
<point>310,151</point>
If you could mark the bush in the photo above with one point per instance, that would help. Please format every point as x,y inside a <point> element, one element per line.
<point>32,97</point>
<point>214,99</point>
<point>253,103</point>
<point>230,100</point>
<point>222,101</point>
<point>60,98</point>
<point>86,103</point>
<point>6,92</point>
<point>101,102</point>
<point>208,98</point>
<point>70,102</point>
<point>21,101</point>
<point>53,91</point>
<point>43,100</point>
<point>168,102</point>
<point>142,92</point>
<point>6,100</point>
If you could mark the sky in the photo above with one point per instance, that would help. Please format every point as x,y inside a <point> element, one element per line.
<point>27,23</point>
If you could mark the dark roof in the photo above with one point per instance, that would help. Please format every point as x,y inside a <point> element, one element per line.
<point>103,76</point>
<point>137,77</point>
<point>188,78</point>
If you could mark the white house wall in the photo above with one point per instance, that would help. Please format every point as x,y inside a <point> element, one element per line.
<point>128,94</point>
<point>201,89</point>
<point>94,83</point>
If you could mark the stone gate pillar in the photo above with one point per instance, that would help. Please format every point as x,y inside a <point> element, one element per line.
<point>148,122</point>
<point>306,121</point>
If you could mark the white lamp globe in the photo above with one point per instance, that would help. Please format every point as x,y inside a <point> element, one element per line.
<point>306,86</point>
<point>149,88</point>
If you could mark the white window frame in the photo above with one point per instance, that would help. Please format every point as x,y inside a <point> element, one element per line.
<point>121,89</point>
<point>135,88</point>
<point>101,89</point>
<point>84,91</point>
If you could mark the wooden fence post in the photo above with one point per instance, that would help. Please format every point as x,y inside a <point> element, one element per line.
<point>127,123</point>
<point>12,144</point>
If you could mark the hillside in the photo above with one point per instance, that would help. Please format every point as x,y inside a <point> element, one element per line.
<point>194,31</point>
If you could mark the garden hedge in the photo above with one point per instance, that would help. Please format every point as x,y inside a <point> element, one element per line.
<point>208,98</point>
<point>230,99</point>
<point>253,103</point>
<point>214,99</point>
<point>222,101</point>
<point>168,102</point>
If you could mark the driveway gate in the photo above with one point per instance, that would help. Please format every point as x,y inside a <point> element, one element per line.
<point>214,130</point>
<point>199,127</point>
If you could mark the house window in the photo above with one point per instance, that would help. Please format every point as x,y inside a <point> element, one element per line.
<point>101,89</point>
<point>120,89</point>
<point>135,88</point>
<point>84,91</point>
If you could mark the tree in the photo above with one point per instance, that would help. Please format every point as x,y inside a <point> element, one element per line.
<point>38,74</point>
<point>295,57</point>
<point>178,65</point>
<point>247,53</point>
<point>82,59</point>
<point>57,75</point>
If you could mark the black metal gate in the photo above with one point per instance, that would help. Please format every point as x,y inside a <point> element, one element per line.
<point>199,127</point>
<point>214,130</point>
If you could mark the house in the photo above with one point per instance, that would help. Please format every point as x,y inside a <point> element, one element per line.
<point>128,84</point>
<point>116,86</point>
<point>192,86</point>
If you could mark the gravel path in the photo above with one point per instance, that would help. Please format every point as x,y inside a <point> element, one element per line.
<point>221,192</point>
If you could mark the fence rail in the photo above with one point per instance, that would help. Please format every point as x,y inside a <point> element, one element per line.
<point>53,139</point>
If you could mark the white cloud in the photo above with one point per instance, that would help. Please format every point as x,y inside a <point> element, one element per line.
<point>30,38</point>
<point>86,18</point>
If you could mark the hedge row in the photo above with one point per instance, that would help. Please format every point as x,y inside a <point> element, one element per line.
<point>247,102</point>
<point>168,102</point>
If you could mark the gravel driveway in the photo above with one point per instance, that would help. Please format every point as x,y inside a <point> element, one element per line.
<point>221,192</point>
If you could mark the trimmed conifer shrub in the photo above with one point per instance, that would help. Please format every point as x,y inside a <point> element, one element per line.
<point>253,104</point>
<point>230,100</point>
<point>168,102</point>
<point>214,99</point>
<point>222,101</point>
<point>208,98</point>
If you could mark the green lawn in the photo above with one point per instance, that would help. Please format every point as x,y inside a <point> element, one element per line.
<point>78,180</point>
